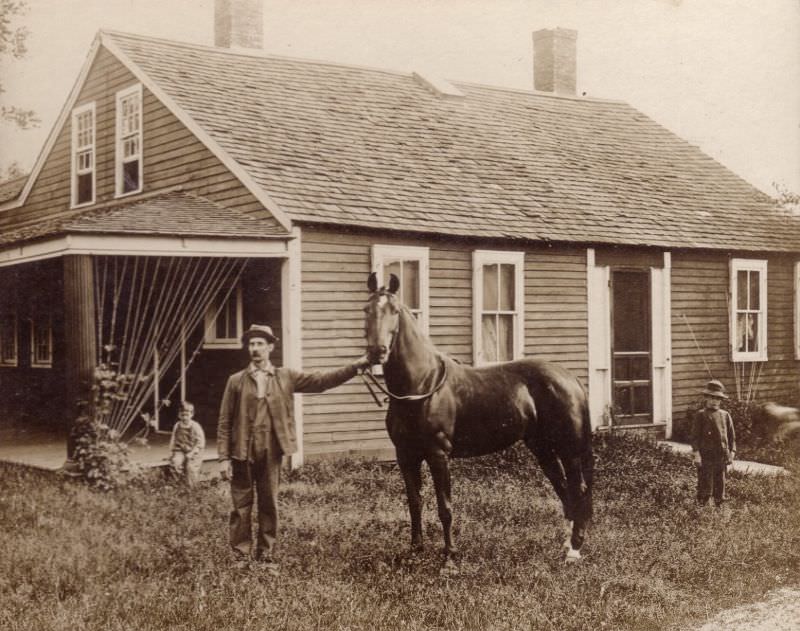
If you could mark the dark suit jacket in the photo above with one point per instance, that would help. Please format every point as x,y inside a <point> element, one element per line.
<point>713,435</point>
<point>238,408</point>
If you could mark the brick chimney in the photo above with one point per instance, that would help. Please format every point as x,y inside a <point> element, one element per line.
<point>239,24</point>
<point>554,60</point>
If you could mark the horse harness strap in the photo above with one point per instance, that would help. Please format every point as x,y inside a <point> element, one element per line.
<point>400,397</point>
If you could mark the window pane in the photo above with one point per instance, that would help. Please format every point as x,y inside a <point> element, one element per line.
<point>622,401</point>
<point>84,188</point>
<point>752,342</point>
<point>741,289</point>
<point>410,286</point>
<point>489,337</point>
<point>225,326</point>
<point>505,336</point>
<point>641,400</point>
<point>8,342</point>
<point>391,267</point>
<point>41,342</point>
<point>490,279</point>
<point>631,311</point>
<point>507,288</point>
<point>747,332</point>
<point>640,368</point>
<point>622,369</point>
<point>130,147</point>
<point>755,298</point>
<point>741,332</point>
<point>130,176</point>
<point>85,160</point>
<point>220,326</point>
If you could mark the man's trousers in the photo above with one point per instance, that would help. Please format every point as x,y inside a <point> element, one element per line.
<point>259,476</point>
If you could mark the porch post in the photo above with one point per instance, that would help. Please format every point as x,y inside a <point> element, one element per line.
<point>80,336</point>
<point>292,317</point>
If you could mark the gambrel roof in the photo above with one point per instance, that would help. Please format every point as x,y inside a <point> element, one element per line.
<point>339,145</point>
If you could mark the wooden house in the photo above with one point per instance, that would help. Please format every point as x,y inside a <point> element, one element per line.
<point>187,191</point>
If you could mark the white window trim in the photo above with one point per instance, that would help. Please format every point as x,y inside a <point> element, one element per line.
<point>12,362</point>
<point>49,362</point>
<point>73,156</point>
<point>488,257</point>
<point>118,153</point>
<point>757,265</point>
<point>380,253</point>
<point>797,310</point>
<point>210,340</point>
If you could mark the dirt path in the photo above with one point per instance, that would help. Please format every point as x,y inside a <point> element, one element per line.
<point>780,611</point>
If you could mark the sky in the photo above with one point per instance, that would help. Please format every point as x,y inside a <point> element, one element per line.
<point>722,74</point>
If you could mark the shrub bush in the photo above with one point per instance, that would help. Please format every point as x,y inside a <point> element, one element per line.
<point>101,457</point>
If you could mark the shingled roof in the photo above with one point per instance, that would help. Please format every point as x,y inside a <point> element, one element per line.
<point>173,213</point>
<point>348,146</point>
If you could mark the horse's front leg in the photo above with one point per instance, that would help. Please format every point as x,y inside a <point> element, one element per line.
<point>439,464</point>
<point>411,467</point>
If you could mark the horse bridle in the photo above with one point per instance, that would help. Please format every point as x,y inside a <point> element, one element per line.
<point>385,390</point>
<point>399,397</point>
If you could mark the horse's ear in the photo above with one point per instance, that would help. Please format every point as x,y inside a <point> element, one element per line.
<point>372,282</point>
<point>394,284</point>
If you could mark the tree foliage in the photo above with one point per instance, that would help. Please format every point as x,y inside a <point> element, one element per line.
<point>788,200</point>
<point>13,38</point>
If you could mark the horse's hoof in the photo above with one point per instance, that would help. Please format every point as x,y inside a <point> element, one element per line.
<point>573,556</point>
<point>449,568</point>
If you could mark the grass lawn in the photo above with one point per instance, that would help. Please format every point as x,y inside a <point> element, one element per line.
<point>151,557</point>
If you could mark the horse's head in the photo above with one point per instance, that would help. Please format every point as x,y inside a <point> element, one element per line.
<point>381,318</point>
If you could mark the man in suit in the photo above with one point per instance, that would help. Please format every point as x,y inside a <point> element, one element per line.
<point>713,444</point>
<point>256,428</point>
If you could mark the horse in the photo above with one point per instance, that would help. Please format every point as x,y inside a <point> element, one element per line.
<point>441,409</point>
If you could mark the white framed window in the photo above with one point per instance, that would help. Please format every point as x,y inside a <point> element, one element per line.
<point>8,339</point>
<point>83,155</point>
<point>498,306</point>
<point>748,310</point>
<point>128,163</point>
<point>42,342</point>
<point>411,265</point>
<point>223,320</point>
<point>797,310</point>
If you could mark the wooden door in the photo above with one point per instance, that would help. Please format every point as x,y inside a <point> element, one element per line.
<point>631,348</point>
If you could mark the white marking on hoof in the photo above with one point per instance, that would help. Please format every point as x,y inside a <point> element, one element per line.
<point>568,541</point>
<point>573,555</point>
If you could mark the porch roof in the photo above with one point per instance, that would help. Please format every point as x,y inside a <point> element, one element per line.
<point>171,213</point>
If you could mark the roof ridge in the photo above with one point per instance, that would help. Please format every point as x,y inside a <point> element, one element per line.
<point>262,54</point>
<point>255,53</point>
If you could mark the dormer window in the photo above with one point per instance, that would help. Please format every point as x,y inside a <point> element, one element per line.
<point>83,155</point>
<point>129,141</point>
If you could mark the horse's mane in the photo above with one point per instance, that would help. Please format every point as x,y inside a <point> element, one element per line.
<point>412,322</point>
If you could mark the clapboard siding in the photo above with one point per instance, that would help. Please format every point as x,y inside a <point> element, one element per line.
<point>700,335</point>
<point>172,155</point>
<point>555,307</point>
<point>334,272</point>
